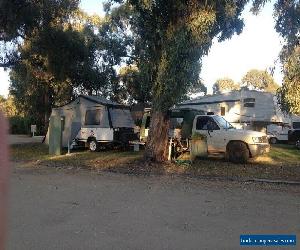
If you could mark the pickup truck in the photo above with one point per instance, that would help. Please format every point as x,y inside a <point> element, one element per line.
<point>237,145</point>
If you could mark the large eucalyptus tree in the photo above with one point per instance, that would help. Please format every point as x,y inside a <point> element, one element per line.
<point>173,37</point>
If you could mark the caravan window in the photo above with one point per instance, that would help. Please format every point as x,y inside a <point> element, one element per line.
<point>249,102</point>
<point>296,125</point>
<point>92,117</point>
<point>223,111</point>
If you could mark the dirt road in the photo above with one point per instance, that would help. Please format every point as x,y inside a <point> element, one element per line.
<point>68,209</point>
<point>23,139</point>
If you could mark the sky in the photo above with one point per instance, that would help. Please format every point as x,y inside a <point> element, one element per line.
<point>257,47</point>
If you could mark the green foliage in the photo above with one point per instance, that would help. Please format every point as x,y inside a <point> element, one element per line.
<point>19,20</point>
<point>136,89</point>
<point>8,106</point>
<point>19,125</point>
<point>287,24</point>
<point>69,54</point>
<point>170,38</point>
<point>224,85</point>
<point>289,93</point>
<point>259,80</point>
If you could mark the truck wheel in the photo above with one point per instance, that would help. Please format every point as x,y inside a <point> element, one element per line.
<point>273,140</point>
<point>238,152</point>
<point>93,145</point>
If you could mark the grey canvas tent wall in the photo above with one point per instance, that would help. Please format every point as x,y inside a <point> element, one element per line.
<point>73,116</point>
<point>256,108</point>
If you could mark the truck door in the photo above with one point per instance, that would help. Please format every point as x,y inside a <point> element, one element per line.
<point>206,125</point>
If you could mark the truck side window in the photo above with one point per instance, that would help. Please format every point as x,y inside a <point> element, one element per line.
<point>202,123</point>
<point>212,125</point>
<point>206,123</point>
<point>92,117</point>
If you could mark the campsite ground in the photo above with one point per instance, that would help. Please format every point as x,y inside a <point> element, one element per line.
<point>53,208</point>
<point>282,163</point>
<point>85,201</point>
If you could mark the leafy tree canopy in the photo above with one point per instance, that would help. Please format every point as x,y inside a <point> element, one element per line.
<point>136,88</point>
<point>259,80</point>
<point>289,93</point>
<point>172,37</point>
<point>224,85</point>
<point>19,20</point>
<point>286,14</point>
<point>64,59</point>
<point>7,106</point>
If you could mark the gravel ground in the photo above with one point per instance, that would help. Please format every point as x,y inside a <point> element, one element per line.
<point>80,209</point>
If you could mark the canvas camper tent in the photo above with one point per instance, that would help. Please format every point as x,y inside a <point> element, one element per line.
<point>89,114</point>
<point>253,108</point>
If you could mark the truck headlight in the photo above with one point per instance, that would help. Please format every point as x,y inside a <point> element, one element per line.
<point>257,139</point>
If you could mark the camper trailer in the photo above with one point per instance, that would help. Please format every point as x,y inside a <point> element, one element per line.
<point>247,109</point>
<point>95,122</point>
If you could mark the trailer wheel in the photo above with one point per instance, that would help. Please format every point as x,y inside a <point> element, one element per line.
<point>93,145</point>
<point>273,140</point>
<point>238,152</point>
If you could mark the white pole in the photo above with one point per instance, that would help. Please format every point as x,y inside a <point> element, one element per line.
<point>69,147</point>
<point>170,150</point>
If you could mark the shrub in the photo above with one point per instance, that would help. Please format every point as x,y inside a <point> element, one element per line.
<point>19,125</point>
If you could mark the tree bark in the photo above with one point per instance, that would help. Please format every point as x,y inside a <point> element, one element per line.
<point>47,111</point>
<point>157,144</point>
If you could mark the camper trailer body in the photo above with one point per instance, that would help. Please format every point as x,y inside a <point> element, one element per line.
<point>94,122</point>
<point>247,109</point>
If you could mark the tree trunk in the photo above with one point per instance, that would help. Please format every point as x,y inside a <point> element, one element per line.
<point>47,111</point>
<point>157,144</point>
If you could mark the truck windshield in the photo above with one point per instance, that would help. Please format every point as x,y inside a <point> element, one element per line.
<point>223,123</point>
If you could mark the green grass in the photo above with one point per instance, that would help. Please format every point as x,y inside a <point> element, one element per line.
<point>38,154</point>
<point>29,152</point>
<point>283,162</point>
<point>285,154</point>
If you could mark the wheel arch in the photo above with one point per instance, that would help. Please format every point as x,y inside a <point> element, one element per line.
<point>231,141</point>
<point>91,138</point>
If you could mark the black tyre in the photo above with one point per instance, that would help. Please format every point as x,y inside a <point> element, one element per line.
<point>238,152</point>
<point>93,145</point>
<point>273,140</point>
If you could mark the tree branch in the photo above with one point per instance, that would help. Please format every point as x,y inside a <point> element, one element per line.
<point>6,64</point>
